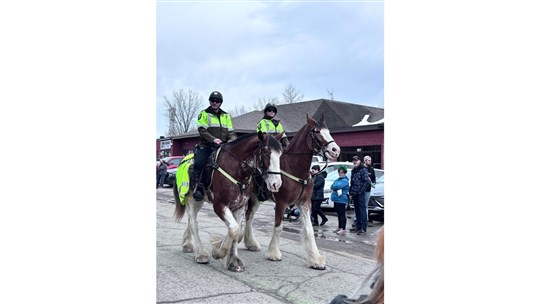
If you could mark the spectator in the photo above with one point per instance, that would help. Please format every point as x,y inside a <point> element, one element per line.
<point>375,281</point>
<point>161,171</point>
<point>373,178</point>
<point>318,196</point>
<point>360,182</point>
<point>340,191</point>
<point>292,210</point>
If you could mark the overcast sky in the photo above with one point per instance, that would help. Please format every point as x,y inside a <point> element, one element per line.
<point>249,50</point>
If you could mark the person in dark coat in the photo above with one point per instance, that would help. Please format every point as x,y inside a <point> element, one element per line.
<point>360,182</point>
<point>161,171</point>
<point>318,196</point>
<point>371,172</point>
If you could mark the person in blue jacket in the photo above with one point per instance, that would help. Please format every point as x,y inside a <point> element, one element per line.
<point>340,197</point>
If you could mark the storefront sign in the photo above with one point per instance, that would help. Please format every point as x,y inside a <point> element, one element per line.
<point>165,145</point>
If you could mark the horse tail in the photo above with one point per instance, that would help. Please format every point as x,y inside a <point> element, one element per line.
<point>180,209</point>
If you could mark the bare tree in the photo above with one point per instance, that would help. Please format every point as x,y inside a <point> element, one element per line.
<point>238,110</point>
<point>261,102</point>
<point>291,95</point>
<point>181,110</point>
<point>331,93</point>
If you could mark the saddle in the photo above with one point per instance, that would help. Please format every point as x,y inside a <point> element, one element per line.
<point>207,172</point>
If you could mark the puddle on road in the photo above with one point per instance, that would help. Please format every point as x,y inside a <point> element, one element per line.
<point>320,235</point>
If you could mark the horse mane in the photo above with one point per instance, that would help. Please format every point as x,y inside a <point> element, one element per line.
<point>272,142</point>
<point>243,138</point>
<point>304,129</point>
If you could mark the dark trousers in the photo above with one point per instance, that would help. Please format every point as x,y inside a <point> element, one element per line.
<point>316,211</point>
<point>160,179</point>
<point>360,211</point>
<point>342,218</point>
<point>201,155</point>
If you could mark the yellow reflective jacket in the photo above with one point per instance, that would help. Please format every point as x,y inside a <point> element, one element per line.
<point>215,125</point>
<point>182,176</point>
<point>272,126</point>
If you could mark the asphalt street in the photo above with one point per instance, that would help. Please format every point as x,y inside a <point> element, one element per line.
<point>349,259</point>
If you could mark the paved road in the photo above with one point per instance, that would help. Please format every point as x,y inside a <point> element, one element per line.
<point>181,280</point>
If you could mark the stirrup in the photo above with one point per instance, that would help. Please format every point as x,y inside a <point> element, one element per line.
<point>198,194</point>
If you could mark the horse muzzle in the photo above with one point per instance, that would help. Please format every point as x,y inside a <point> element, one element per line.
<point>332,151</point>
<point>273,183</point>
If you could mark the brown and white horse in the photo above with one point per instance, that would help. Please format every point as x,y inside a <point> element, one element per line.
<point>229,192</point>
<point>297,187</point>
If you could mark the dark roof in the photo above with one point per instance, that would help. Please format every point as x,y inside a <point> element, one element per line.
<point>338,115</point>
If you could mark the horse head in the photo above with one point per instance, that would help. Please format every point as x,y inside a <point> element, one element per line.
<point>322,141</point>
<point>268,160</point>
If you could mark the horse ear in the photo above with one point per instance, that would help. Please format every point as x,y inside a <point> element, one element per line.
<point>310,121</point>
<point>260,135</point>
<point>322,118</point>
<point>279,136</point>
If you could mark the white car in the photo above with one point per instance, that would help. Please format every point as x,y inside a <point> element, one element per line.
<point>329,180</point>
<point>333,166</point>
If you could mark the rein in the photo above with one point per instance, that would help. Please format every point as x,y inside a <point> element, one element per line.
<point>232,179</point>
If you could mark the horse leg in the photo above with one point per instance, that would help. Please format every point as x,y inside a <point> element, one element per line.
<point>315,259</point>
<point>274,254</point>
<point>233,262</point>
<point>249,240</point>
<point>187,245</point>
<point>227,247</point>
<point>201,255</point>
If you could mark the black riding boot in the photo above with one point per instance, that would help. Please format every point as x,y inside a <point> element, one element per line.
<point>198,193</point>
<point>262,194</point>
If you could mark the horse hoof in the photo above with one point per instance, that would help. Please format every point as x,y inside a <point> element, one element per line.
<point>236,266</point>
<point>187,249</point>
<point>202,260</point>
<point>254,248</point>
<point>275,259</point>
<point>319,267</point>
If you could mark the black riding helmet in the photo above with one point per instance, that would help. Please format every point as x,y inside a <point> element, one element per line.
<point>215,96</point>
<point>270,106</point>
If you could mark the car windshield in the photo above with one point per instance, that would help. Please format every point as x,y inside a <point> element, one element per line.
<point>173,161</point>
<point>380,180</point>
<point>378,173</point>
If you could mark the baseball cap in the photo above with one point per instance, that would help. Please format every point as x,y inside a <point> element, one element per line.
<point>355,157</point>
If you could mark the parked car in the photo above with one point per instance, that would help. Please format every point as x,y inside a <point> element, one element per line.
<point>173,161</point>
<point>376,201</point>
<point>170,176</point>
<point>332,176</point>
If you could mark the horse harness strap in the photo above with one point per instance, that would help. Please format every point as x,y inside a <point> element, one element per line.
<point>302,182</point>
<point>227,175</point>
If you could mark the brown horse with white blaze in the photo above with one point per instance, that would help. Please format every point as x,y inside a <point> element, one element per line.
<point>231,186</point>
<point>297,187</point>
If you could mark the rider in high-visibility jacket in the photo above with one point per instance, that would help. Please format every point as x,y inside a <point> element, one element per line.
<point>269,125</point>
<point>215,127</point>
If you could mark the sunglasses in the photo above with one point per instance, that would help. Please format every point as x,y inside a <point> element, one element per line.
<point>215,101</point>
<point>271,110</point>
